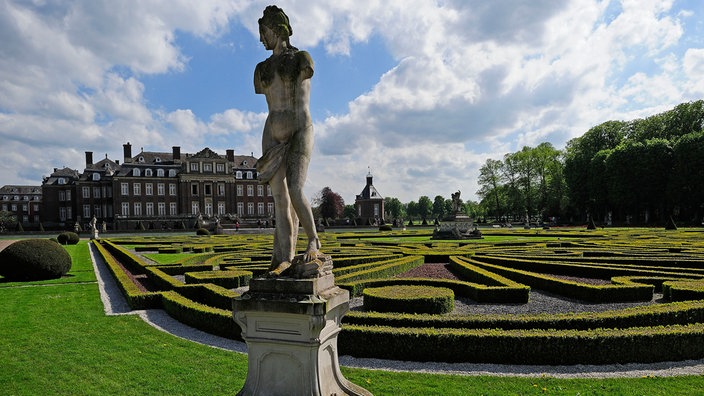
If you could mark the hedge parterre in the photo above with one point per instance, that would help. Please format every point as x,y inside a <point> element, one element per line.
<point>595,267</point>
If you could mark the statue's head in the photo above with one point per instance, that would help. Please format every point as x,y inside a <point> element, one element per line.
<point>275,19</point>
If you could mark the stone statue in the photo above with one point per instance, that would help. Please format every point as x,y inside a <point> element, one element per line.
<point>287,140</point>
<point>456,202</point>
<point>93,228</point>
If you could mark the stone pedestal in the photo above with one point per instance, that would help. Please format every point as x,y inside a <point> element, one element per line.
<point>291,327</point>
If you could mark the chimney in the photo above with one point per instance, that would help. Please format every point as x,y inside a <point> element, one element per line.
<point>230,155</point>
<point>127,152</point>
<point>89,159</point>
<point>176,150</point>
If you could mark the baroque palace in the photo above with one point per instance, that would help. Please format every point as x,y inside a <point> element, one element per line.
<point>156,190</point>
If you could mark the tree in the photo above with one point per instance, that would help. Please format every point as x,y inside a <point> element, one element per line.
<point>8,220</point>
<point>350,213</point>
<point>412,209</point>
<point>439,210</point>
<point>394,207</point>
<point>425,206</point>
<point>330,203</point>
<point>687,168</point>
<point>578,157</point>
<point>490,183</point>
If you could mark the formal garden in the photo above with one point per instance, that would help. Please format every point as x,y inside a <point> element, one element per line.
<point>556,297</point>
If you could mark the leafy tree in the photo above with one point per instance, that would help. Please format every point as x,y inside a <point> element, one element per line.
<point>687,176</point>
<point>331,204</point>
<point>439,210</point>
<point>579,154</point>
<point>8,220</point>
<point>412,209</point>
<point>350,213</point>
<point>490,184</point>
<point>394,207</point>
<point>424,207</point>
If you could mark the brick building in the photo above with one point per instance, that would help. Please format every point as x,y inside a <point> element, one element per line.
<point>158,190</point>
<point>369,204</point>
<point>24,203</point>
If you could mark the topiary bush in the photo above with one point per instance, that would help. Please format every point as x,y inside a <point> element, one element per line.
<point>34,259</point>
<point>68,238</point>
<point>409,299</point>
<point>202,231</point>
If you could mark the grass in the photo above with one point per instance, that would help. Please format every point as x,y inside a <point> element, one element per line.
<point>56,340</point>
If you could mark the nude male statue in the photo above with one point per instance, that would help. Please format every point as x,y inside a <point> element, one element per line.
<point>287,140</point>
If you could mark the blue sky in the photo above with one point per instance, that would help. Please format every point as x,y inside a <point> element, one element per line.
<point>420,92</point>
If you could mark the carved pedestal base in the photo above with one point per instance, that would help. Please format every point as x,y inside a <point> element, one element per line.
<point>291,327</point>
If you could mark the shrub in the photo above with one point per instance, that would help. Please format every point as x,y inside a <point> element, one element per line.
<point>202,231</point>
<point>409,299</point>
<point>68,238</point>
<point>385,227</point>
<point>34,259</point>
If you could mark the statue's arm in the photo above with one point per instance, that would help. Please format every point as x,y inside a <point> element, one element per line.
<point>305,65</point>
<point>258,89</point>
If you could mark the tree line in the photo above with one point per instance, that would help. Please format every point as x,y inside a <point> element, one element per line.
<point>642,171</point>
<point>639,172</point>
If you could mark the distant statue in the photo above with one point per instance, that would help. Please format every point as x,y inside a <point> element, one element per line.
<point>94,228</point>
<point>456,202</point>
<point>287,140</point>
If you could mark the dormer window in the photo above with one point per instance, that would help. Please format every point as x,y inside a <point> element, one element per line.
<point>96,176</point>
<point>26,198</point>
<point>238,175</point>
<point>160,172</point>
<point>172,172</point>
<point>157,159</point>
<point>16,198</point>
<point>249,175</point>
<point>140,159</point>
<point>244,162</point>
<point>148,173</point>
<point>136,172</point>
<point>61,180</point>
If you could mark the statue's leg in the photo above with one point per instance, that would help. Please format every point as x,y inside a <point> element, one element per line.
<point>283,233</point>
<point>297,170</point>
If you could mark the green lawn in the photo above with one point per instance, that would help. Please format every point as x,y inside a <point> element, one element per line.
<point>56,340</point>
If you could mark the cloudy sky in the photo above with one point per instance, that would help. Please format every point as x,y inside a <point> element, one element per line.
<point>421,92</point>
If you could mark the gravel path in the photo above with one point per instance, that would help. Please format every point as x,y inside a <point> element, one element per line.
<point>115,304</point>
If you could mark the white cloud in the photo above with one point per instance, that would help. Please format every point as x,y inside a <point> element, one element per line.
<point>693,65</point>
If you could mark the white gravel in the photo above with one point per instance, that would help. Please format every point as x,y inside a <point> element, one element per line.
<point>114,304</point>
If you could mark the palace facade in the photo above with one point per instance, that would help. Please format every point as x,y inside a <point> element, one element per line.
<point>157,190</point>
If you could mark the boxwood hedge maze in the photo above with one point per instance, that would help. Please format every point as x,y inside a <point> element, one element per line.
<point>518,297</point>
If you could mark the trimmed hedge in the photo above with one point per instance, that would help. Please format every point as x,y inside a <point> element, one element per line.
<point>409,299</point>
<point>34,259</point>
<point>554,347</point>
<point>212,320</point>
<point>136,298</point>
<point>227,279</point>
<point>376,270</point>
<point>683,290</point>
<point>680,313</point>
<point>581,291</point>
<point>68,238</point>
